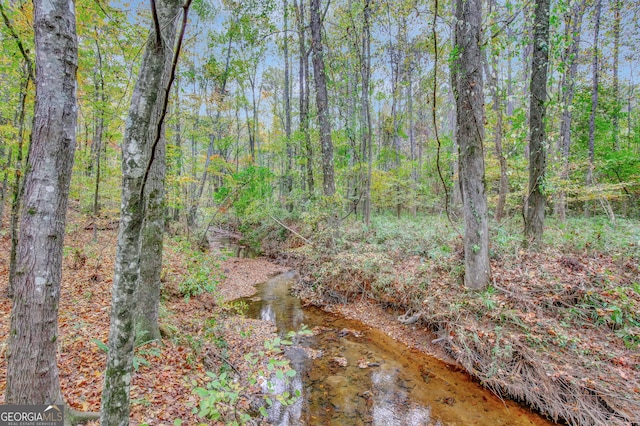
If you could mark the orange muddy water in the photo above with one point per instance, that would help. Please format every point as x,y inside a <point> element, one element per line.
<point>351,374</point>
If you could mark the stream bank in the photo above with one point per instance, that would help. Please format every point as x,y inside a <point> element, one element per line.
<point>352,373</point>
<point>558,330</point>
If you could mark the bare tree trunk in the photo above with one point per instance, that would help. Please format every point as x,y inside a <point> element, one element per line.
<point>467,77</point>
<point>17,188</point>
<point>152,234</point>
<point>148,105</point>
<point>5,184</point>
<point>148,288</point>
<point>32,371</point>
<point>365,71</point>
<point>178,141</point>
<point>594,102</point>
<point>568,92</point>
<point>304,94</point>
<point>287,108</point>
<point>322,100</point>
<point>96,148</point>
<point>534,218</point>
<point>617,4</point>
<point>492,74</point>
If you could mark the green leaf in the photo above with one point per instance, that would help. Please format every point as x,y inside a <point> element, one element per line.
<point>101,345</point>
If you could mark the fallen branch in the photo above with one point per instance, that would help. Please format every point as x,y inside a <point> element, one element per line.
<point>289,229</point>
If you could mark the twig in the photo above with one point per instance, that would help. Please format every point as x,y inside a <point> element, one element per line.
<point>289,229</point>
<point>204,234</point>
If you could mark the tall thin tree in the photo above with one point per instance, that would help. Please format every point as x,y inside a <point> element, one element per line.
<point>534,217</point>
<point>322,100</point>
<point>574,28</point>
<point>143,136</point>
<point>467,77</point>
<point>32,371</point>
<point>595,82</point>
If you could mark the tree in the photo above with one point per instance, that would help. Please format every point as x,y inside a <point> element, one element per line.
<point>498,128</point>
<point>143,137</point>
<point>573,30</point>
<point>534,217</point>
<point>322,100</point>
<point>303,82</point>
<point>617,4</point>
<point>365,71</point>
<point>32,372</point>
<point>467,78</point>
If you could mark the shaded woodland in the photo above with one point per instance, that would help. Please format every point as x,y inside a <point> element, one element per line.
<point>432,157</point>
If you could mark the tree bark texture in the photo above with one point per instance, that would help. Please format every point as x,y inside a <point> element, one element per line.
<point>322,100</point>
<point>568,92</point>
<point>18,186</point>
<point>467,78</point>
<point>365,71</point>
<point>287,107</point>
<point>140,133</point>
<point>534,219</point>
<point>617,4</point>
<point>304,94</point>
<point>594,101</point>
<point>32,372</point>
<point>148,290</point>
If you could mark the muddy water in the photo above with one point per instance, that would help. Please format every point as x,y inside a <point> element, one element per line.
<point>351,374</point>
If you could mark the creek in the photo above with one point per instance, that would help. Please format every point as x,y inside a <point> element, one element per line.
<point>352,374</point>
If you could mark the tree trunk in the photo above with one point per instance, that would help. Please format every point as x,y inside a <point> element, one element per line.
<point>534,219</point>
<point>5,183</point>
<point>287,109</point>
<point>492,75</point>
<point>32,372</point>
<point>147,104</point>
<point>594,102</point>
<point>617,4</point>
<point>568,92</point>
<point>365,70</point>
<point>304,95</point>
<point>322,100</point>
<point>17,188</point>
<point>178,142</point>
<point>96,148</point>
<point>467,77</point>
<point>148,291</point>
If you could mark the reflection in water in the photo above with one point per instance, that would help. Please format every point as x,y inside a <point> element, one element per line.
<point>349,374</point>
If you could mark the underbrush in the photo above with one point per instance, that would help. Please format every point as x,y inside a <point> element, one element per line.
<point>558,329</point>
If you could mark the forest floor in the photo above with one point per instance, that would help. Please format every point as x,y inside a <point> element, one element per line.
<point>557,329</point>
<point>202,333</point>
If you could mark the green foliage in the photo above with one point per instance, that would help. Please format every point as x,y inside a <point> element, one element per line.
<point>139,357</point>
<point>253,188</point>
<point>203,273</point>
<point>220,399</point>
